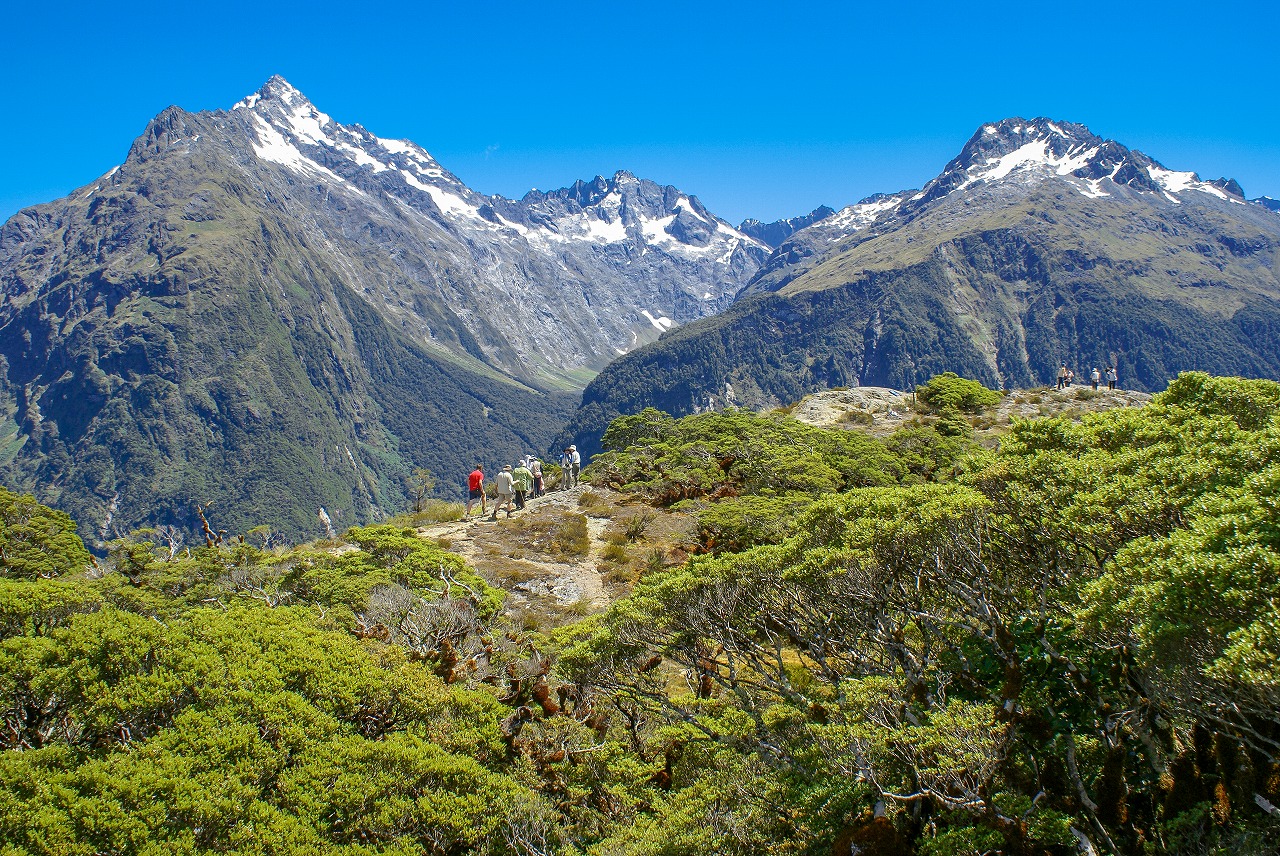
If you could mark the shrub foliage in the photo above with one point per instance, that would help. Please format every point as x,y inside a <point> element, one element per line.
<point>1067,645</point>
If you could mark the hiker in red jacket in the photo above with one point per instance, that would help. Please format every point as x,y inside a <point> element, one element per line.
<point>475,489</point>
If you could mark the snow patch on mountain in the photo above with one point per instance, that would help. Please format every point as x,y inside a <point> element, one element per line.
<point>1036,154</point>
<point>1180,182</point>
<point>854,218</point>
<point>272,146</point>
<point>661,322</point>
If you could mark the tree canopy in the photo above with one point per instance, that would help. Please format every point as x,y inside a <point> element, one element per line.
<point>886,647</point>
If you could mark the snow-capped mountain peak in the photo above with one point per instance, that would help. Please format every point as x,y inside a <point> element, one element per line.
<point>1000,163</point>
<point>624,207</point>
<point>289,130</point>
<point>679,260</point>
<point>1028,151</point>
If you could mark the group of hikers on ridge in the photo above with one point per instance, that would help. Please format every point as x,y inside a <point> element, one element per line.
<point>1066,377</point>
<point>513,486</point>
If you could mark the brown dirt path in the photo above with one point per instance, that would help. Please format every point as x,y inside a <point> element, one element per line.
<point>530,576</point>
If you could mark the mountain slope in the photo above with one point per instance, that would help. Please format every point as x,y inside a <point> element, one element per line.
<point>1039,244</point>
<point>240,371</point>
<point>545,288</point>
<point>269,311</point>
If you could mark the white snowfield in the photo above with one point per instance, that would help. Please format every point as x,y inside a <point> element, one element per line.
<point>284,135</point>
<point>660,321</point>
<point>1035,160</point>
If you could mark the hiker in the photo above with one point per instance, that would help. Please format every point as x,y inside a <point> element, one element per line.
<point>475,489</point>
<point>535,470</point>
<point>566,469</point>
<point>1062,377</point>
<point>523,479</point>
<point>1095,377</point>
<point>506,487</point>
<point>1112,377</point>
<point>575,461</point>
<point>1071,377</point>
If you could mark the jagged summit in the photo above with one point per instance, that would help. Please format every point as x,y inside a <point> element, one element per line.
<point>778,231</point>
<point>999,163</point>
<point>1031,150</point>
<point>624,207</point>
<point>623,211</point>
<point>290,130</point>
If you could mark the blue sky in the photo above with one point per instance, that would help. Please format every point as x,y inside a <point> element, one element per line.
<point>762,110</point>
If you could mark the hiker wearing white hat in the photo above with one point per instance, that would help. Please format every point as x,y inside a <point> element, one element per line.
<point>535,468</point>
<point>506,486</point>
<point>575,463</point>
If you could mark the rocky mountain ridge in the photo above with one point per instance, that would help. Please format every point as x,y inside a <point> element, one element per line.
<point>572,276</point>
<point>773,234</point>
<point>1040,243</point>
<point>1014,152</point>
<point>269,311</point>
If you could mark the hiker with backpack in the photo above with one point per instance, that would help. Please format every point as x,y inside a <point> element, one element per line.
<point>506,488</point>
<point>566,469</point>
<point>475,490</point>
<point>535,469</point>
<point>523,479</point>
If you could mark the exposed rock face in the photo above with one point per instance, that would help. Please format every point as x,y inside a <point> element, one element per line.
<point>542,287</point>
<point>807,246</point>
<point>268,310</point>
<point>1040,243</point>
<point>778,231</point>
<point>829,408</point>
<point>882,411</point>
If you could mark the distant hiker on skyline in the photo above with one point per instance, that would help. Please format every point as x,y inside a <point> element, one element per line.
<point>506,487</point>
<point>1112,377</point>
<point>1062,376</point>
<point>523,483</point>
<point>475,489</point>
<point>1095,377</point>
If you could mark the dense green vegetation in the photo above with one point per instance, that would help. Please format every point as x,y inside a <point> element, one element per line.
<point>949,390</point>
<point>904,646</point>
